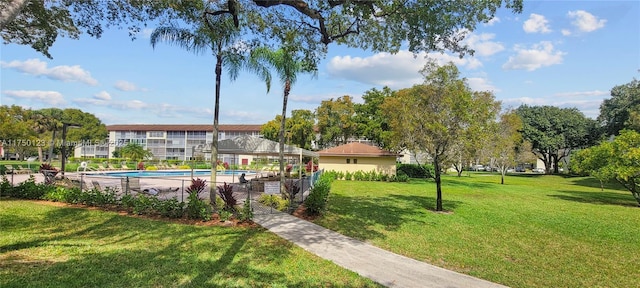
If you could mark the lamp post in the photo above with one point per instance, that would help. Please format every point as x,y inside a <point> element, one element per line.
<point>64,143</point>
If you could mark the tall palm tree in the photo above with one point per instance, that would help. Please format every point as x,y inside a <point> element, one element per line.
<point>287,65</point>
<point>221,38</point>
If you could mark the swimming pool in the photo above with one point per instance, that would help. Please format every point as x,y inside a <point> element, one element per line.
<point>180,173</point>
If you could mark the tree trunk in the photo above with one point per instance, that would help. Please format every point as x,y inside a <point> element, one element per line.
<point>53,142</point>
<point>436,166</point>
<point>40,155</point>
<point>214,143</point>
<point>11,10</point>
<point>502,171</point>
<point>287,89</point>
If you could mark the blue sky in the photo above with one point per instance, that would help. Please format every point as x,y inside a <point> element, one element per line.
<point>566,54</point>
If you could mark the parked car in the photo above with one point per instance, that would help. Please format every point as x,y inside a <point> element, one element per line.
<point>477,168</point>
<point>511,170</point>
<point>520,169</point>
<point>538,170</point>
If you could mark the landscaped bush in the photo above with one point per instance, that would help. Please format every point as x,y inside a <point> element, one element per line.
<point>59,194</point>
<point>316,202</point>
<point>29,189</point>
<point>274,201</point>
<point>197,208</point>
<point>245,213</point>
<point>415,170</point>
<point>171,208</point>
<point>226,193</point>
<point>6,189</point>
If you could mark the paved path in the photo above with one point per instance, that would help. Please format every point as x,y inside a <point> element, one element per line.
<point>384,267</point>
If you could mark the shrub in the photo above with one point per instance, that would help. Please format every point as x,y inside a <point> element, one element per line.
<point>127,202</point>
<point>276,202</point>
<point>415,170</point>
<point>197,186</point>
<point>144,204</point>
<point>151,168</point>
<point>49,173</point>
<point>184,167</point>
<point>224,215</point>
<point>246,213</point>
<point>171,208</point>
<point>6,189</point>
<point>58,194</point>
<point>226,193</point>
<point>197,208</point>
<point>292,188</point>
<point>29,189</point>
<point>316,202</point>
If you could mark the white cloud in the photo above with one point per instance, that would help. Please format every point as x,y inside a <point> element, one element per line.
<point>162,110</point>
<point>585,21</point>
<point>63,72</point>
<point>49,97</point>
<point>540,55</point>
<point>594,93</point>
<point>493,21</point>
<point>481,84</point>
<point>536,24</point>
<point>103,95</point>
<point>482,44</point>
<point>146,33</point>
<point>398,70</point>
<point>123,85</point>
<point>565,32</point>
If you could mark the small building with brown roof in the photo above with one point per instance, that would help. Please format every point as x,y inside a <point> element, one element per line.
<point>357,156</point>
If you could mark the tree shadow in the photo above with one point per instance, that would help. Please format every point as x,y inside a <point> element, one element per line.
<point>599,198</point>
<point>594,183</point>
<point>121,251</point>
<point>364,217</point>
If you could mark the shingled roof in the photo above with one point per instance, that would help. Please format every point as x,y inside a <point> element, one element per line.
<point>356,149</point>
<point>183,127</point>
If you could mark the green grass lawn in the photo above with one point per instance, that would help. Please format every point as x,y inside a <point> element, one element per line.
<point>534,231</point>
<point>46,246</point>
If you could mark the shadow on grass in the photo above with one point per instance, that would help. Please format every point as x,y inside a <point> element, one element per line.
<point>75,248</point>
<point>594,183</point>
<point>366,218</point>
<point>600,198</point>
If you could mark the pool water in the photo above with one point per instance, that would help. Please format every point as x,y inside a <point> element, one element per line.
<point>180,173</point>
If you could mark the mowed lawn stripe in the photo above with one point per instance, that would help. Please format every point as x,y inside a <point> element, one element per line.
<point>534,231</point>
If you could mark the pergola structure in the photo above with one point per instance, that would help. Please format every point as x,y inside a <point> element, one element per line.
<point>252,145</point>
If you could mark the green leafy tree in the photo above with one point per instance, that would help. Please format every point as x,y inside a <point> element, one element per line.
<point>618,159</point>
<point>475,136</point>
<point>622,110</point>
<point>432,116</point>
<point>217,35</point>
<point>271,129</point>
<point>300,127</point>
<point>372,124</point>
<point>336,121</point>
<point>16,130</point>
<point>372,25</point>
<point>39,23</point>
<point>135,152</point>
<point>506,141</point>
<point>287,65</point>
<point>554,132</point>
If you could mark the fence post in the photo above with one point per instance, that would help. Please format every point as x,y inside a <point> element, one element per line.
<point>182,192</point>
<point>81,181</point>
<point>126,192</point>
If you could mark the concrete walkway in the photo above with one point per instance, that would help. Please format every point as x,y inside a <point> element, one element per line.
<point>381,266</point>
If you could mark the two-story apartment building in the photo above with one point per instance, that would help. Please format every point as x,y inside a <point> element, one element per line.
<point>165,141</point>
